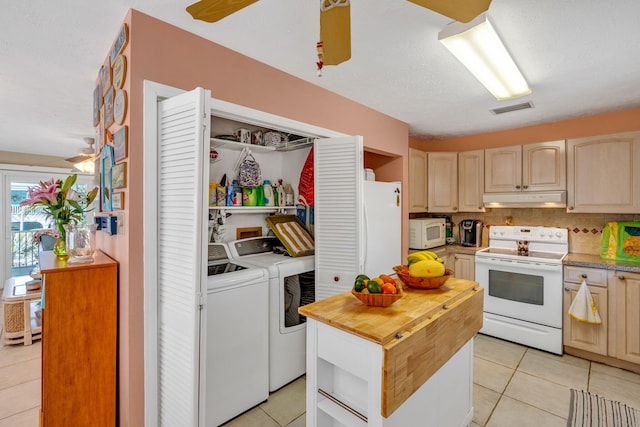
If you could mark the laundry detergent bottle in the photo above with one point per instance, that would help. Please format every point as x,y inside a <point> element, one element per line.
<point>268,193</point>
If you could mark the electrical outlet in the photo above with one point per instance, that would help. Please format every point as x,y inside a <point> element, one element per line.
<point>120,216</point>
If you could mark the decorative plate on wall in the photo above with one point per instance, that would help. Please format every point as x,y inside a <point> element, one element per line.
<point>120,106</point>
<point>119,71</point>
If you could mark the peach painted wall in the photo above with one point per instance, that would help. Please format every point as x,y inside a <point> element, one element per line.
<point>118,247</point>
<point>620,121</point>
<point>165,54</point>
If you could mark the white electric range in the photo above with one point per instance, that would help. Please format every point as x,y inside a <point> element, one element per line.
<point>523,297</point>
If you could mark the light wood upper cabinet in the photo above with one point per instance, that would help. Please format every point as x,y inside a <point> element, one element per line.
<point>627,301</point>
<point>603,173</point>
<point>442,182</point>
<point>417,180</point>
<point>503,169</point>
<point>530,167</point>
<point>470,181</point>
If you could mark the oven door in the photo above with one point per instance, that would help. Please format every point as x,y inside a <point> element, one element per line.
<point>521,289</point>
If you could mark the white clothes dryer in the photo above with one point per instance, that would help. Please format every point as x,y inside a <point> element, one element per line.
<point>291,285</point>
<point>237,347</point>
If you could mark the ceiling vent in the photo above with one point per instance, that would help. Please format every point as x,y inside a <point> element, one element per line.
<point>511,108</point>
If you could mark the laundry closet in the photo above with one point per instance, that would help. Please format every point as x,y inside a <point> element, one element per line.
<point>180,167</point>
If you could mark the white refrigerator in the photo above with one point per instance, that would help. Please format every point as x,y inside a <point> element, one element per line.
<point>382,227</point>
<point>357,222</point>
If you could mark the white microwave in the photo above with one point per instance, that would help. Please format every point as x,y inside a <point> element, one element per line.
<point>426,233</point>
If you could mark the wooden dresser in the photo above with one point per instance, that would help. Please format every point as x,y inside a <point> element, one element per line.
<point>79,337</point>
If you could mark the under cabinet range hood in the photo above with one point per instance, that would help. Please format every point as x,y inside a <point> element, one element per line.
<point>536,199</point>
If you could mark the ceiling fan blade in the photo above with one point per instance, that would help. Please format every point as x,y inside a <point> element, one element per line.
<point>80,158</point>
<point>460,10</point>
<point>335,33</point>
<point>215,10</point>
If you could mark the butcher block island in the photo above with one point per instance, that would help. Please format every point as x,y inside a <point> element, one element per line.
<point>408,364</point>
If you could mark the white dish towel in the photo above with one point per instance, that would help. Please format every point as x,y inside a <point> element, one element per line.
<point>583,308</point>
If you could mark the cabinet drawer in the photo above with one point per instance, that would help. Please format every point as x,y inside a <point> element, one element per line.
<point>594,276</point>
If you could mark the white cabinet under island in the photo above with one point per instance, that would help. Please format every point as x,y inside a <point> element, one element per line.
<point>409,364</point>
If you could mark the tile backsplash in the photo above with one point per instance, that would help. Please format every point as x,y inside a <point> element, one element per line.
<point>585,230</point>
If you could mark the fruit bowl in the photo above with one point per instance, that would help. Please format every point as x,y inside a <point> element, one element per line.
<point>378,300</point>
<point>421,282</point>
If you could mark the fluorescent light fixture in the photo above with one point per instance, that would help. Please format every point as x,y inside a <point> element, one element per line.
<point>86,166</point>
<point>479,48</point>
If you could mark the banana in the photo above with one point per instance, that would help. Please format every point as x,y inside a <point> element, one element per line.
<point>421,256</point>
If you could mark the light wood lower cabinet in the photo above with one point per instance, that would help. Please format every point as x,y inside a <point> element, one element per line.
<point>464,266</point>
<point>627,303</point>
<point>581,335</point>
<point>79,337</point>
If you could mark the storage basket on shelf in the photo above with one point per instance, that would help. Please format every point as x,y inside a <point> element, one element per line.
<point>421,282</point>
<point>379,300</point>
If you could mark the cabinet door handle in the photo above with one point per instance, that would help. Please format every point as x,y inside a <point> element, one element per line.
<point>584,276</point>
<point>525,186</point>
<point>517,187</point>
<point>480,207</point>
<point>621,277</point>
<point>570,208</point>
<point>455,208</point>
<point>566,289</point>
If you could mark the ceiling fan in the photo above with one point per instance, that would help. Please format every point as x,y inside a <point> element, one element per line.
<point>84,154</point>
<point>334,46</point>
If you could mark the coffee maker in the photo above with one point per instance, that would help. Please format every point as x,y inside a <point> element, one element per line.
<point>470,232</point>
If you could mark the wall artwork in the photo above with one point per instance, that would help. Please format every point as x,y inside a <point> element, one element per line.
<point>117,201</point>
<point>106,165</point>
<point>105,76</point>
<point>120,106</point>
<point>119,175</point>
<point>97,103</point>
<point>108,108</point>
<point>119,71</point>
<point>121,143</point>
<point>120,42</point>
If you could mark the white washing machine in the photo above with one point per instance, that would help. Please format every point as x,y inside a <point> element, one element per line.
<point>237,368</point>
<point>291,285</point>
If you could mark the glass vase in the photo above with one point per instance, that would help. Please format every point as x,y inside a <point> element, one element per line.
<point>80,242</point>
<point>60,246</point>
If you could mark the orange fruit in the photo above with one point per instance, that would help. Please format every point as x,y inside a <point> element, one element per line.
<point>387,279</point>
<point>388,288</point>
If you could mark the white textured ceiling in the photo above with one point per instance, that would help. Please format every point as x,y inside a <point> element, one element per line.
<point>580,57</point>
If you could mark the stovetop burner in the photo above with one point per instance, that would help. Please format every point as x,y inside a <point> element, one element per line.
<point>531,254</point>
<point>548,244</point>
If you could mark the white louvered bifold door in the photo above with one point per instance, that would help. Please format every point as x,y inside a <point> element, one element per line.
<point>181,252</point>
<point>338,168</point>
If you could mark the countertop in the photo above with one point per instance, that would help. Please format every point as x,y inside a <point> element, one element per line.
<point>594,261</point>
<point>381,324</point>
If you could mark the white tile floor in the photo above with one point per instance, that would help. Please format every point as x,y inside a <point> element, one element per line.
<point>513,385</point>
